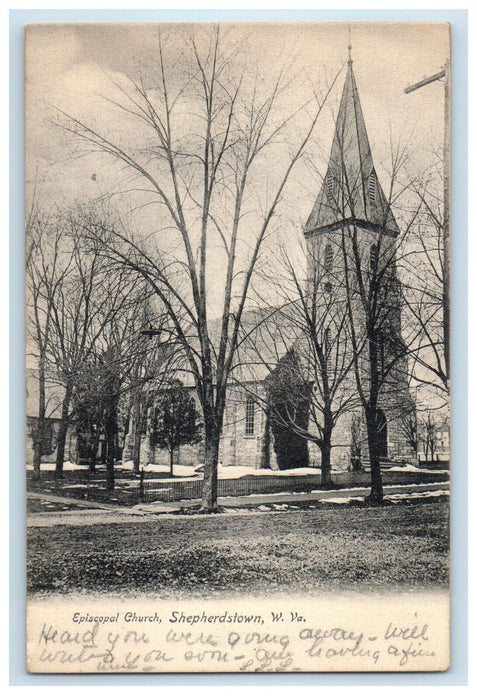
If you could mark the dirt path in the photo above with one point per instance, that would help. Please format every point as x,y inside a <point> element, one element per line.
<point>72,501</point>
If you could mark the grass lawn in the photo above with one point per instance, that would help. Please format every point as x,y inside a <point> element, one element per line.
<point>300,551</point>
<point>81,485</point>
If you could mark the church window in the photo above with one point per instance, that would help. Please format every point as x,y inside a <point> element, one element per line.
<point>372,188</point>
<point>328,258</point>
<point>327,287</point>
<point>250,416</point>
<point>373,258</point>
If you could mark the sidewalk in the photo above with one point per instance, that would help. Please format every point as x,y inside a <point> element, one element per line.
<point>73,501</point>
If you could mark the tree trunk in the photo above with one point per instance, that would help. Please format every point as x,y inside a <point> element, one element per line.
<point>37,450</point>
<point>376,493</point>
<point>171,460</point>
<point>62,430</point>
<point>151,455</point>
<point>111,445</point>
<point>136,456</point>
<point>209,494</point>
<point>265,454</point>
<point>38,433</point>
<point>137,452</point>
<point>325,448</point>
<point>93,451</point>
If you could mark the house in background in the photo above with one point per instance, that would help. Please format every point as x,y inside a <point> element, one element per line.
<point>54,396</point>
<point>76,449</point>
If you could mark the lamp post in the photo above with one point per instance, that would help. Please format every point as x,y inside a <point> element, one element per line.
<point>443,74</point>
<point>149,333</point>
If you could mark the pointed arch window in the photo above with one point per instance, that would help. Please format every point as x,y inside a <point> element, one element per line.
<point>327,287</point>
<point>330,185</point>
<point>328,261</point>
<point>372,188</point>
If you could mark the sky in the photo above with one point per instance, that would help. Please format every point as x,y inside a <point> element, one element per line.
<point>71,67</point>
<point>80,68</point>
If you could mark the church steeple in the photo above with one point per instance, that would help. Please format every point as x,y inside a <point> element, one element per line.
<point>351,192</point>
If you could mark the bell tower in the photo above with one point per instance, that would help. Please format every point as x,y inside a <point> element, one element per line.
<point>351,237</point>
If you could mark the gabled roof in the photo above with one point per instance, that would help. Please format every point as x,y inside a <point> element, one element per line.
<point>351,190</point>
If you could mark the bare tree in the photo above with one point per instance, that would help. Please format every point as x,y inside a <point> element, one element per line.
<point>426,284</point>
<point>121,365</point>
<point>47,270</point>
<point>76,305</point>
<point>429,433</point>
<point>373,299</point>
<point>409,427</point>
<point>306,346</point>
<point>200,173</point>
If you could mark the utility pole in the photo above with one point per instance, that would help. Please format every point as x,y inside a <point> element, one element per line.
<point>445,75</point>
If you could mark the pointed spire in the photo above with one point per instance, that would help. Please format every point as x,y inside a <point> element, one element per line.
<point>351,190</point>
<point>350,60</point>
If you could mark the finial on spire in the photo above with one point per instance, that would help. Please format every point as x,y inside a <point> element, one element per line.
<point>350,60</point>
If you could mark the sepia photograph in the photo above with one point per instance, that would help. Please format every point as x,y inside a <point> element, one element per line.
<point>237,347</point>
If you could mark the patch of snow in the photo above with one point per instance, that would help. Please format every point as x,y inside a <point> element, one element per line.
<point>412,468</point>
<point>419,494</point>
<point>178,469</point>
<point>51,466</point>
<point>343,500</point>
<point>395,497</point>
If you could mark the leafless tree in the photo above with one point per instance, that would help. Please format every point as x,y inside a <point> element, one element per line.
<point>429,436</point>
<point>306,346</point>
<point>204,174</point>
<point>75,302</point>
<point>426,285</point>
<point>46,271</point>
<point>130,368</point>
<point>409,427</point>
<point>367,283</point>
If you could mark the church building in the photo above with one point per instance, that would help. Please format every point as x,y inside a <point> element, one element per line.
<point>351,236</point>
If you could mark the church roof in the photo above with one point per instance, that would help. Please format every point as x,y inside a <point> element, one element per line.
<point>351,191</point>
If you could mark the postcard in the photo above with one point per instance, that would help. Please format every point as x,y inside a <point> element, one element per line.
<point>237,347</point>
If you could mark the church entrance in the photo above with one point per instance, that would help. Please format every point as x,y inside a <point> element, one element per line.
<point>382,437</point>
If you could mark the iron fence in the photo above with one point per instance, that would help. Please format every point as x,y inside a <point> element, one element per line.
<point>152,490</point>
<point>182,490</point>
